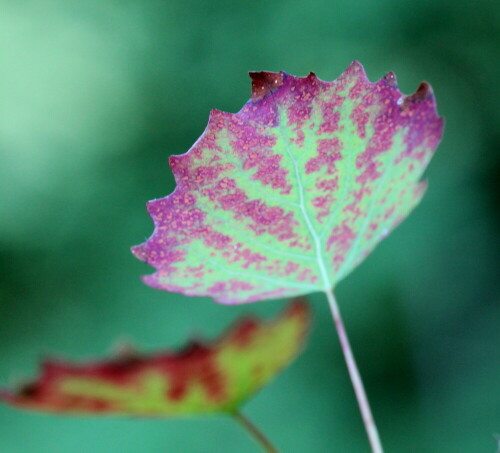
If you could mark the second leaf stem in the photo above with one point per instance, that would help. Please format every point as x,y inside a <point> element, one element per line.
<point>357,383</point>
<point>255,432</point>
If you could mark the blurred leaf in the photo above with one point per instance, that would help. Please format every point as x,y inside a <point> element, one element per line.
<point>291,193</point>
<point>211,377</point>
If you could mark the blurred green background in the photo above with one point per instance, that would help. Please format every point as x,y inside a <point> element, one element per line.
<point>95,95</point>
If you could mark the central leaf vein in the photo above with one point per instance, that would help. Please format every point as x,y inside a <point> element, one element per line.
<point>312,231</point>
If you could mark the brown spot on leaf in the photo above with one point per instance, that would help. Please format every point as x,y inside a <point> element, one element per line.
<point>264,83</point>
<point>391,80</point>
<point>424,92</point>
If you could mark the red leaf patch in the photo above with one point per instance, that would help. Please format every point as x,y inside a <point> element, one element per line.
<point>201,378</point>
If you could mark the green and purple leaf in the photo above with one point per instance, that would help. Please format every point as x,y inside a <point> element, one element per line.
<point>290,194</point>
<point>203,378</point>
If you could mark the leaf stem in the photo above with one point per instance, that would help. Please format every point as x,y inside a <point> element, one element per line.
<point>357,383</point>
<point>258,435</point>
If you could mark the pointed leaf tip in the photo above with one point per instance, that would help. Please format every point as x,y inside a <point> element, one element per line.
<point>424,91</point>
<point>200,378</point>
<point>354,69</point>
<point>391,80</point>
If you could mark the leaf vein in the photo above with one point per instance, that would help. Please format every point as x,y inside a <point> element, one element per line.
<point>316,239</point>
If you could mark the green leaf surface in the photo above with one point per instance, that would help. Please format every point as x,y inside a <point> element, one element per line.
<point>202,378</point>
<point>291,193</point>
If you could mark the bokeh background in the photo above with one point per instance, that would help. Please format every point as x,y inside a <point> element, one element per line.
<point>95,95</point>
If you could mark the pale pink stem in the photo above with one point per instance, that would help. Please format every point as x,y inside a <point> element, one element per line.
<point>357,383</point>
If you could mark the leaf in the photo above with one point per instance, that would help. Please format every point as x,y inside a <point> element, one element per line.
<point>202,378</point>
<point>291,193</point>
